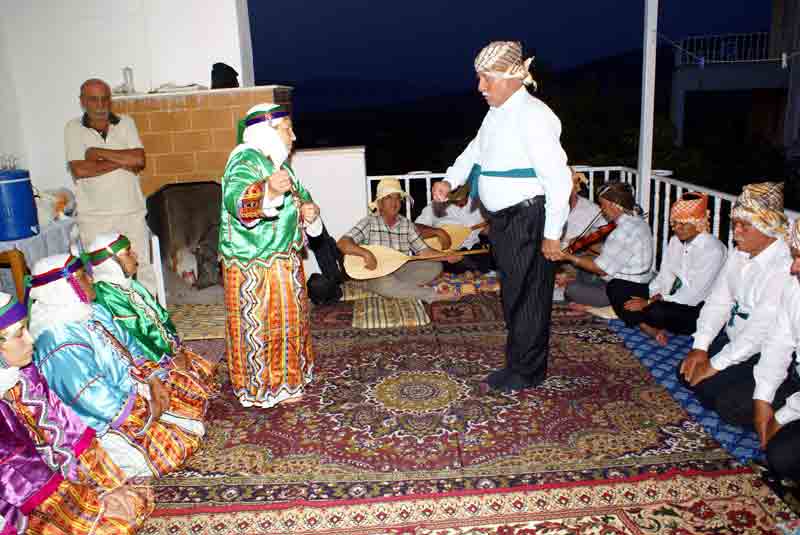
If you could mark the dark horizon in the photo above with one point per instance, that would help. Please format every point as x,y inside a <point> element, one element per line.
<point>427,46</point>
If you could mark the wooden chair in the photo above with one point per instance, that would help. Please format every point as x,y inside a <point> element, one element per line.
<point>14,259</point>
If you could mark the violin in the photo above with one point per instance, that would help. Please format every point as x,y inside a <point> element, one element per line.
<point>590,239</point>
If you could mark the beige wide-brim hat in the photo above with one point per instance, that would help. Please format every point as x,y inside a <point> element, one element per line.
<point>386,187</point>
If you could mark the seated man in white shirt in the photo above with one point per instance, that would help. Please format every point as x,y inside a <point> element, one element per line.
<point>584,215</point>
<point>739,314</point>
<point>627,254</point>
<point>583,220</point>
<point>459,210</point>
<point>688,270</point>
<point>775,383</point>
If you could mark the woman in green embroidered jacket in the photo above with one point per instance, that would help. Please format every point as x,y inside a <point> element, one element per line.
<point>114,265</point>
<point>265,216</point>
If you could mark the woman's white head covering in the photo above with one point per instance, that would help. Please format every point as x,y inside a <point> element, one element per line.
<point>109,269</point>
<point>58,302</point>
<point>258,129</point>
<point>9,375</point>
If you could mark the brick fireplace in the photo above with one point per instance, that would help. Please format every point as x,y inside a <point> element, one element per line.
<point>187,138</point>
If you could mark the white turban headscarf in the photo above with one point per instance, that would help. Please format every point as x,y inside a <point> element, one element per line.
<point>110,269</point>
<point>9,375</point>
<point>55,303</point>
<point>263,135</point>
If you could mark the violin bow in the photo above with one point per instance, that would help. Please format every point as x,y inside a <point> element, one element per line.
<point>583,232</point>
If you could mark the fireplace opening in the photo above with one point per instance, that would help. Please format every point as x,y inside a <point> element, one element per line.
<point>186,219</point>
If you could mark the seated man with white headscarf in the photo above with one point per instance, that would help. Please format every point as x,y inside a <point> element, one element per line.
<point>740,313</point>
<point>144,414</point>
<point>114,266</point>
<point>774,385</point>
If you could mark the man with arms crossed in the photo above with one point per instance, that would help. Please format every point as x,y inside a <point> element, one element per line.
<point>105,155</point>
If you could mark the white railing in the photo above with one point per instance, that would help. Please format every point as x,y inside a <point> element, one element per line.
<point>664,190</point>
<point>725,48</point>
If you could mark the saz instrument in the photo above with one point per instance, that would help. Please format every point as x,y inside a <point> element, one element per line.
<point>389,261</point>
<point>458,234</point>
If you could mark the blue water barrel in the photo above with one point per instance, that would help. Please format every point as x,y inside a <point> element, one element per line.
<point>17,208</point>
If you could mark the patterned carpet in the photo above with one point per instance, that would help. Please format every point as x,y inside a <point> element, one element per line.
<point>397,435</point>
<point>663,364</point>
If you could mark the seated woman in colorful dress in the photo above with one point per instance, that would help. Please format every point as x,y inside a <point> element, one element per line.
<point>54,475</point>
<point>148,416</point>
<point>114,265</point>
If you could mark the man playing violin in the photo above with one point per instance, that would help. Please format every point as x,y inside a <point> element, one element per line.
<point>459,210</point>
<point>584,215</point>
<point>693,259</point>
<point>585,229</point>
<point>627,254</point>
<point>391,229</point>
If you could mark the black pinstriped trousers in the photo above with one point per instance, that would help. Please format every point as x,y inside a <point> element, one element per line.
<point>527,280</point>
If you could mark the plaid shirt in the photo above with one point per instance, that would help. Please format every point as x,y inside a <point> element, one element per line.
<point>628,251</point>
<point>373,230</point>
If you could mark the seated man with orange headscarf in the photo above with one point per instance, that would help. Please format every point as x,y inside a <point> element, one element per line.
<point>693,259</point>
<point>391,229</point>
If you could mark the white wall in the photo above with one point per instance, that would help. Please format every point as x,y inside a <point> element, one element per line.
<point>337,181</point>
<point>52,46</point>
<point>11,141</point>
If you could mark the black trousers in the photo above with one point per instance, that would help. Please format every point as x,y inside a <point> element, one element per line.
<point>782,450</point>
<point>730,392</point>
<point>674,317</point>
<point>527,280</point>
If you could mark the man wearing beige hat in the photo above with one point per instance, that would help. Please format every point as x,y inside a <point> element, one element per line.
<point>518,169</point>
<point>391,229</point>
<point>740,313</point>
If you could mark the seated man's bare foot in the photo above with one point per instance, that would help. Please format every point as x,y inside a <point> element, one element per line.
<point>577,307</point>
<point>660,335</point>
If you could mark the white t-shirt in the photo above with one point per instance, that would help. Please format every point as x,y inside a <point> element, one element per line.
<point>466,216</point>
<point>580,217</point>
<point>114,193</point>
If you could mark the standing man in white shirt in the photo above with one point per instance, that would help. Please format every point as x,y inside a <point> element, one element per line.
<point>693,259</point>
<point>105,156</point>
<point>517,167</point>
<point>740,313</point>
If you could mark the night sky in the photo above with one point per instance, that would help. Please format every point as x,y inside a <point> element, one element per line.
<point>431,43</point>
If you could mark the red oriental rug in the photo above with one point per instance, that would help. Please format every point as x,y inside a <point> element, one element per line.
<point>734,502</point>
<point>397,435</point>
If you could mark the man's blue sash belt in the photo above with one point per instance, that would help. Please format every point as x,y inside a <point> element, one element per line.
<point>476,172</point>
